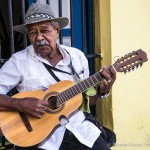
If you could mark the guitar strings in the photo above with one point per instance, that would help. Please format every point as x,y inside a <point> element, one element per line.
<point>74,90</point>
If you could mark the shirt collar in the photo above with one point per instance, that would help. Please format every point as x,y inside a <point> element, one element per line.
<point>66,56</point>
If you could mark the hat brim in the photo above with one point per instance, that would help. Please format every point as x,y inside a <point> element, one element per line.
<point>63,22</point>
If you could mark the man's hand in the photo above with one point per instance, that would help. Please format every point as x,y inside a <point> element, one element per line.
<point>109,77</point>
<point>33,106</point>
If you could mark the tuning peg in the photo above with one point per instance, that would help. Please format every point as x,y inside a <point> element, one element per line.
<point>130,54</point>
<point>141,64</point>
<point>133,68</point>
<point>137,66</point>
<point>133,52</point>
<point>129,69</point>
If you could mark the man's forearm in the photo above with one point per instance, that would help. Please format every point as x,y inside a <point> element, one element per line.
<point>7,103</point>
<point>93,99</point>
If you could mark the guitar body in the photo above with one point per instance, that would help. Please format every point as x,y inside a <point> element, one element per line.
<point>16,132</point>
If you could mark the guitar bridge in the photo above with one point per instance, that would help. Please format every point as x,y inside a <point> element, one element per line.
<point>26,121</point>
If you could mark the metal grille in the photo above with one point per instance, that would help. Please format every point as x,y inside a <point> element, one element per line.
<point>13,13</point>
<point>11,42</point>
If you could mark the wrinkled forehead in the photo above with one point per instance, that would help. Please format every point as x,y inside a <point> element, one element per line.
<point>44,24</point>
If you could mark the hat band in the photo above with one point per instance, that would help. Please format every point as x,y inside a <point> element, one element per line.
<point>36,16</point>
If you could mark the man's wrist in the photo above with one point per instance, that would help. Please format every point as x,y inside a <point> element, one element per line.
<point>102,95</point>
<point>105,95</point>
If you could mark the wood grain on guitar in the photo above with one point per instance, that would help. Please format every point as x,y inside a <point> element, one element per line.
<point>64,98</point>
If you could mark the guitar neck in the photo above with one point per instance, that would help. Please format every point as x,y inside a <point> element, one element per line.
<point>127,63</point>
<point>79,88</point>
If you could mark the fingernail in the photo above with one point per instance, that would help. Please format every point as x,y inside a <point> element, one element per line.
<point>109,81</point>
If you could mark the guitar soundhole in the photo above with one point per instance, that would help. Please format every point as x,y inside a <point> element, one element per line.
<point>52,101</point>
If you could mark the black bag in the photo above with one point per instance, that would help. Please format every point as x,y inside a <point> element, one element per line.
<point>108,135</point>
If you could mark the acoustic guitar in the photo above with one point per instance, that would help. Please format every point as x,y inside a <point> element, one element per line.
<point>64,98</point>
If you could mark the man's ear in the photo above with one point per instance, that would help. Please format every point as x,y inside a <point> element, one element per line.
<point>58,30</point>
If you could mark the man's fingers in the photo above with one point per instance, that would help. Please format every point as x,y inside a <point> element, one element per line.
<point>109,74</point>
<point>109,81</point>
<point>45,103</point>
<point>106,75</point>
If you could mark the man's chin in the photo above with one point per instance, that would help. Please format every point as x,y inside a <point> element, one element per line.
<point>42,50</point>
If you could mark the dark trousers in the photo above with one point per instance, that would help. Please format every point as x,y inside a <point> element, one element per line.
<point>70,142</point>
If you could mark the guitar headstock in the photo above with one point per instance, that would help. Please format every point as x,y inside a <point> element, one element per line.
<point>130,61</point>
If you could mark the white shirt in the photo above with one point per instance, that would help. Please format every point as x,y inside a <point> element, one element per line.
<point>26,71</point>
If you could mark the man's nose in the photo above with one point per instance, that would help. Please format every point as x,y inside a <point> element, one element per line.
<point>39,36</point>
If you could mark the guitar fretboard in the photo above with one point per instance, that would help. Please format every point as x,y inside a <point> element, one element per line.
<point>78,88</point>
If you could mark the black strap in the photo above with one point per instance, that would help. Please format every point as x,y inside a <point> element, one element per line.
<point>50,68</point>
<point>56,69</point>
<point>51,72</point>
<point>72,68</point>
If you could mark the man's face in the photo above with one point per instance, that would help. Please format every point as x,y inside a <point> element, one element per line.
<point>43,37</point>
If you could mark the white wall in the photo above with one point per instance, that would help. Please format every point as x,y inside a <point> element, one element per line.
<point>130,30</point>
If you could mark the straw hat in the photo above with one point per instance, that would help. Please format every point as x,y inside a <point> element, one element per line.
<point>38,12</point>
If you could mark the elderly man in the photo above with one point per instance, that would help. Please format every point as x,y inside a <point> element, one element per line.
<point>29,73</point>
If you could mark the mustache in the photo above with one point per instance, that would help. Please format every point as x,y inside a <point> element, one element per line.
<point>41,43</point>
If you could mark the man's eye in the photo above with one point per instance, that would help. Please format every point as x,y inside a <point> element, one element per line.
<point>32,33</point>
<point>45,31</point>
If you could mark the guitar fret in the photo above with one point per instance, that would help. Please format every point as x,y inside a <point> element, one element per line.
<point>79,88</point>
<point>74,88</point>
<point>96,78</point>
<point>87,83</point>
<point>61,97</point>
<point>70,93</point>
<point>92,82</point>
<point>67,95</point>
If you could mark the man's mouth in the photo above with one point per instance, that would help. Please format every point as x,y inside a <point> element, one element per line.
<point>38,46</point>
<point>41,43</point>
